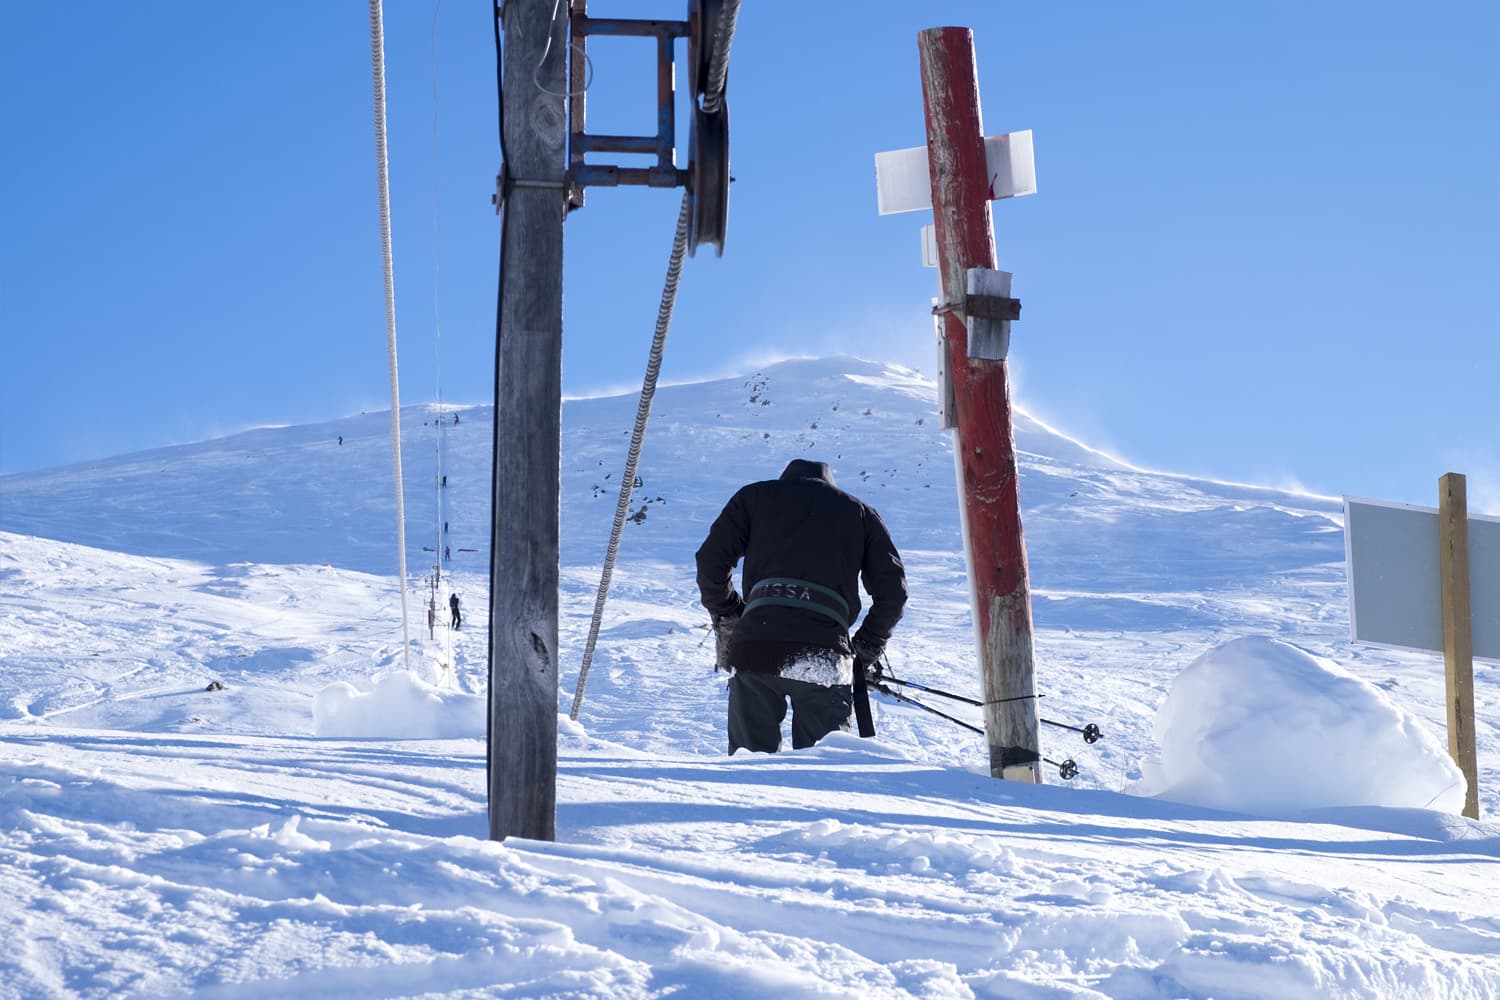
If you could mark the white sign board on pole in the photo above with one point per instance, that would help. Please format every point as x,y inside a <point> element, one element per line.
<point>1395,593</point>
<point>903,184</point>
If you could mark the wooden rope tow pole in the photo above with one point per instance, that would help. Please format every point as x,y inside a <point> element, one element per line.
<point>957,175</point>
<point>543,176</point>
<point>984,443</point>
<point>525,499</point>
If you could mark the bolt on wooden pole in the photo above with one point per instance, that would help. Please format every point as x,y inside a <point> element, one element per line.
<point>1458,638</point>
<point>522,738</point>
<point>984,440</point>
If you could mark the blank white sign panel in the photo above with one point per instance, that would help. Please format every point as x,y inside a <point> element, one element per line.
<point>1395,592</point>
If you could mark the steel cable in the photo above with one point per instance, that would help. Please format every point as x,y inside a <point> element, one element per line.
<point>718,62</point>
<point>642,414</point>
<point>713,99</point>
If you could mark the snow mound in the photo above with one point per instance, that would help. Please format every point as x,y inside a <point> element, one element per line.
<point>1256,725</point>
<point>401,706</point>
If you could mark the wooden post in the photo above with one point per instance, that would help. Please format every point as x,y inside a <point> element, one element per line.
<point>522,757</point>
<point>1458,639</point>
<point>984,443</point>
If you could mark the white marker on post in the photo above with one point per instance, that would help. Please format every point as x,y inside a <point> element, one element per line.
<point>903,184</point>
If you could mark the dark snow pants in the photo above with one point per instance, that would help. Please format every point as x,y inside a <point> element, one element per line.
<point>757,705</point>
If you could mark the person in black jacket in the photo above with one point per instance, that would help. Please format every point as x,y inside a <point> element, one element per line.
<point>807,545</point>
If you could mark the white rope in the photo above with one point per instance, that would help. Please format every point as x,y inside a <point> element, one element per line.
<point>377,66</point>
<point>712,100</point>
<point>440,604</point>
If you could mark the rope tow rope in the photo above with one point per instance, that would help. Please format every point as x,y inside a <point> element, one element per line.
<point>713,97</point>
<point>718,61</point>
<point>436,606</point>
<point>377,67</point>
<point>642,414</point>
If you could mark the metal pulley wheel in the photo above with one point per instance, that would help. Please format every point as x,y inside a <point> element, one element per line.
<point>703,24</point>
<point>708,179</point>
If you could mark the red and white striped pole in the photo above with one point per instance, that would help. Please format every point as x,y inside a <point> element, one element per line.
<point>984,445</point>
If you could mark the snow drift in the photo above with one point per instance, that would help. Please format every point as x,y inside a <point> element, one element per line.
<point>1261,726</point>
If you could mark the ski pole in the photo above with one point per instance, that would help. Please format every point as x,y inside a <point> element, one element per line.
<point>883,689</point>
<point>887,678</point>
<point>1067,768</point>
<point>1091,732</point>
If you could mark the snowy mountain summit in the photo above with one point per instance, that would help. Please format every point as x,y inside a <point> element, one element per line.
<point>218,778</point>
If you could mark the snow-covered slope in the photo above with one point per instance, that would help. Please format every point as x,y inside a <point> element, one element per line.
<point>157,837</point>
<point>321,493</point>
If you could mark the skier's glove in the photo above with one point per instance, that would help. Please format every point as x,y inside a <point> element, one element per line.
<point>723,633</point>
<point>867,650</point>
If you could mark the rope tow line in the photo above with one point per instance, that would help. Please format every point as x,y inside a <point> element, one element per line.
<point>642,414</point>
<point>377,68</point>
<point>435,604</point>
<point>718,62</point>
<point>712,100</point>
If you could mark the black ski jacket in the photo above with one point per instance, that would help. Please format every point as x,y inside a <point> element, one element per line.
<point>802,527</point>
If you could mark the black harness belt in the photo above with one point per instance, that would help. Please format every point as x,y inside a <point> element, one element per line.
<point>785,592</point>
<point>780,591</point>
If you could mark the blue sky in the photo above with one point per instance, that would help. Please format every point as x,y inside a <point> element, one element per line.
<point>1264,246</point>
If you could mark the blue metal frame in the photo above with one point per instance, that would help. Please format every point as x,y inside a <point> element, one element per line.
<point>663,144</point>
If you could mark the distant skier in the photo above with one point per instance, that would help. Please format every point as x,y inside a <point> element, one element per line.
<point>447,555</point>
<point>341,439</point>
<point>455,420</point>
<point>807,545</point>
<point>453,606</point>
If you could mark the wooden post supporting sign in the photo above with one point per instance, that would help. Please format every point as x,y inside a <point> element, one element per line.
<point>1428,579</point>
<point>984,442</point>
<point>522,755</point>
<point>1458,638</point>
